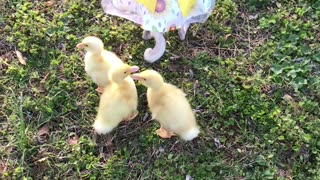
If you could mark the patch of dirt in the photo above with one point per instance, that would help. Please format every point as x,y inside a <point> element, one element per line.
<point>5,47</point>
<point>244,31</point>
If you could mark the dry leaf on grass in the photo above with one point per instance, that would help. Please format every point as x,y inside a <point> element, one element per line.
<point>253,17</point>
<point>42,159</point>
<point>227,36</point>
<point>8,149</point>
<point>287,97</point>
<point>50,3</point>
<point>3,167</point>
<point>285,174</point>
<point>44,130</point>
<point>73,140</point>
<point>196,86</point>
<point>1,62</point>
<point>20,57</point>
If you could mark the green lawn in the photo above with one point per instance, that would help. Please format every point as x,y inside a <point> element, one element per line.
<point>251,72</point>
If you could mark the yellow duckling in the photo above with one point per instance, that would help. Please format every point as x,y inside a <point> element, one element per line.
<point>98,61</point>
<point>118,101</point>
<point>169,106</point>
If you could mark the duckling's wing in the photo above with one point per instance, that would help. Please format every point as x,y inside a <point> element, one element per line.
<point>111,58</point>
<point>175,90</point>
<point>156,111</point>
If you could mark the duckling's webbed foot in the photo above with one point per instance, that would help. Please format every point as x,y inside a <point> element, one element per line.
<point>163,133</point>
<point>99,89</point>
<point>132,116</point>
<point>146,35</point>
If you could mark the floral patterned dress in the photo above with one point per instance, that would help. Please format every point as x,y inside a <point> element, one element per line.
<point>160,15</point>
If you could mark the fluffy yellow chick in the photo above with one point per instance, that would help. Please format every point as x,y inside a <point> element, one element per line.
<point>169,106</point>
<point>118,101</point>
<point>98,61</point>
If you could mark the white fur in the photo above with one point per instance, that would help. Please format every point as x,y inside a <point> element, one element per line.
<point>98,71</point>
<point>97,60</point>
<point>131,10</point>
<point>183,31</point>
<point>115,105</point>
<point>146,35</point>
<point>169,105</point>
<point>191,134</point>
<point>101,127</point>
<point>152,55</point>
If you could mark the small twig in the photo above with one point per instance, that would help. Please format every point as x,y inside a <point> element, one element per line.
<point>249,37</point>
<point>149,160</point>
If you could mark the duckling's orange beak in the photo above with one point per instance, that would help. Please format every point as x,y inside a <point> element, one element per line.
<point>136,77</point>
<point>134,69</point>
<point>81,45</point>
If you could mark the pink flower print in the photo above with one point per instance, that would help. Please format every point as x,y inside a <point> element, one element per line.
<point>172,27</point>
<point>161,6</point>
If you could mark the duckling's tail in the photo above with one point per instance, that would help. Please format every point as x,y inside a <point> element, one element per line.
<point>151,55</point>
<point>101,127</point>
<point>190,134</point>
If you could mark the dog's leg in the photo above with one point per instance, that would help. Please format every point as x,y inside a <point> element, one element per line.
<point>183,31</point>
<point>146,35</point>
<point>153,54</point>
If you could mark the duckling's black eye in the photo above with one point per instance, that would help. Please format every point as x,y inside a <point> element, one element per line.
<point>125,72</point>
<point>86,45</point>
<point>144,79</point>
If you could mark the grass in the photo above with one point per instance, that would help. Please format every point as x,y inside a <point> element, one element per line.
<point>251,73</point>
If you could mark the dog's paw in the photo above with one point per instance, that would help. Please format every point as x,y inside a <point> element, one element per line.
<point>149,55</point>
<point>183,31</point>
<point>182,34</point>
<point>146,35</point>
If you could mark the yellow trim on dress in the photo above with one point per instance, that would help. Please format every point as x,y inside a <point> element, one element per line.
<point>185,6</point>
